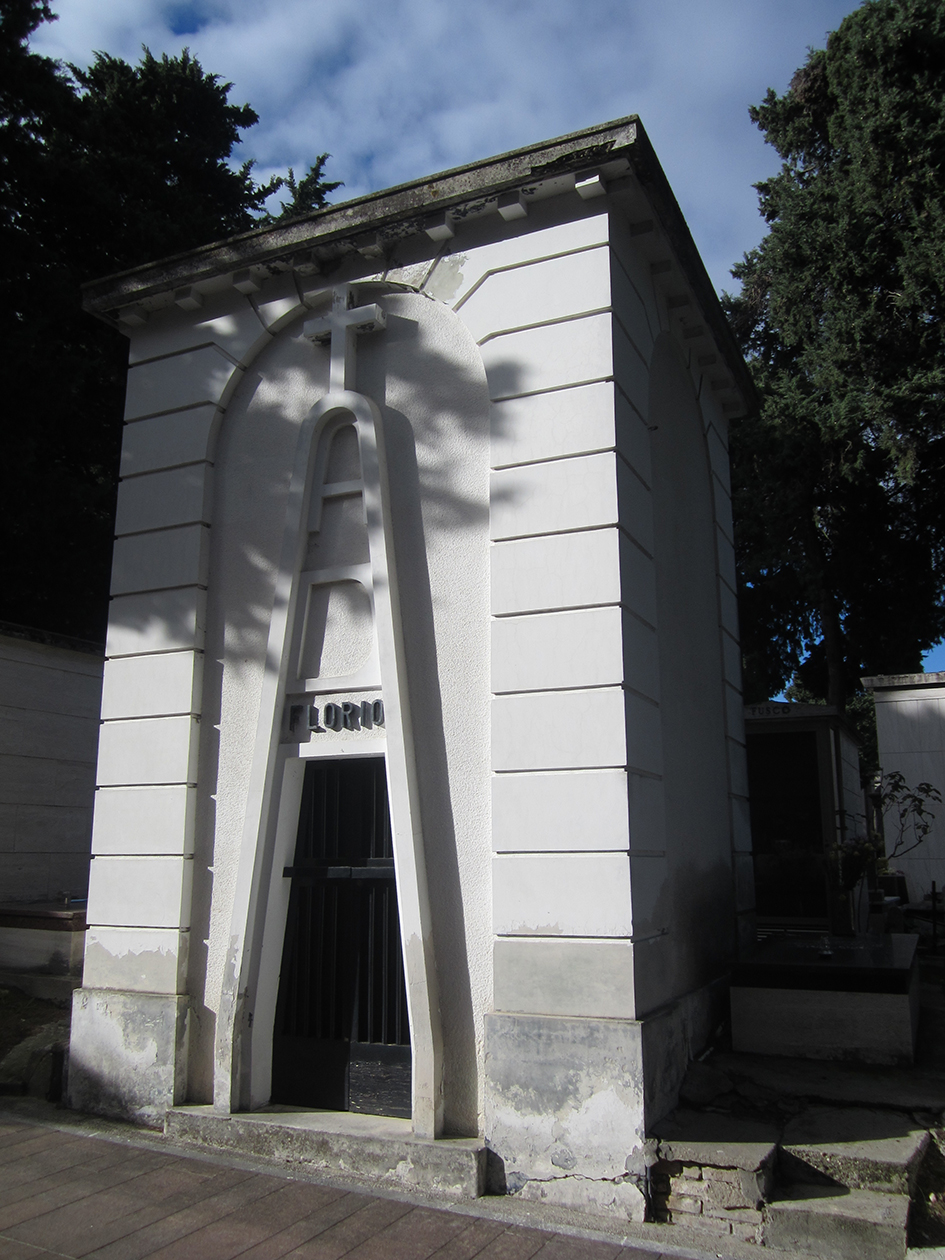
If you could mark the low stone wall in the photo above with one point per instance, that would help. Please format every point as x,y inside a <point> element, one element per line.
<point>41,949</point>
<point>50,699</point>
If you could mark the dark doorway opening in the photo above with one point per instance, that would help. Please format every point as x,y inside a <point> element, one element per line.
<point>341,1039</point>
<point>791,817</point>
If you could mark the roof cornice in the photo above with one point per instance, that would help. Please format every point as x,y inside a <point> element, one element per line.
<point>617,152</point>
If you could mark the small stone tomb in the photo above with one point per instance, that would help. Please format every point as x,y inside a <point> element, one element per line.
<point>833,997</point>
<point>422,733</point>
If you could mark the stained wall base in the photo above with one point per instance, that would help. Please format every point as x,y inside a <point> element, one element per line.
<point>128,1054</point>
<point>568,1100</point>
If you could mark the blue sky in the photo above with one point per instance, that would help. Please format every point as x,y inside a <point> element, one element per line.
<point>399,89</point>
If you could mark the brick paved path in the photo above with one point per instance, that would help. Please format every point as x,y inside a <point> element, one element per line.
<point>67,1194</point>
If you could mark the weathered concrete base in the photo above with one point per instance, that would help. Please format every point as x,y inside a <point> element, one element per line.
<point>564,1109</point>
<point>568,1099</point>
<point>128,1054</point>
<point>623,1199</point>
<point>377,1149</point>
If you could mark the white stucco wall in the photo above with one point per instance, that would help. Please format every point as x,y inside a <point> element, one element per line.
<point>693,883</point>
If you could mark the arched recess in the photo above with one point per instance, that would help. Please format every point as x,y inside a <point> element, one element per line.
<point>698,883</point>
<point>243,1045</point>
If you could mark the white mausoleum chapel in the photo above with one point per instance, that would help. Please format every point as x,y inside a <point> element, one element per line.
<point>421,833</point>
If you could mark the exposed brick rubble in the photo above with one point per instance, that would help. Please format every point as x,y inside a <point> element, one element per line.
<point>721,1201</point>
<point>813,1159</point>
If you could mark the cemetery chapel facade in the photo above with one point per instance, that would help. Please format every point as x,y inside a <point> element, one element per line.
<point>421,780</point>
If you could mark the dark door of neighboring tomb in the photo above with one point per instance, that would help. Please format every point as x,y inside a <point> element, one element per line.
<point>791,807</point>
<point>341,1039</point>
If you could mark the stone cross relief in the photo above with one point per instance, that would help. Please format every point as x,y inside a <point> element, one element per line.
<point>339,328</point>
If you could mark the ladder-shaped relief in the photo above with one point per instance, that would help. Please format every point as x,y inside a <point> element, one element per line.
<point>334,639</point>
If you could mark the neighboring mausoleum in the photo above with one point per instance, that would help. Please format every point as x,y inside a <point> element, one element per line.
<point>910,728</point>
<point>421,783</point>
<point>807,803</point>
<point>50,696</point>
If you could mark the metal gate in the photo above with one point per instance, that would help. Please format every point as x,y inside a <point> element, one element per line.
<point>341,1039</point>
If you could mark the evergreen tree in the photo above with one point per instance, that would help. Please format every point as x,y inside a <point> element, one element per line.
<point>838,483</point>
<point>308,193</point>
<point>100,170</point>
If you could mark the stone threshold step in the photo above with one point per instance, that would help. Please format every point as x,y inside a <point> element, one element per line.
<point>381,1150</point>
<point>834,1223</point>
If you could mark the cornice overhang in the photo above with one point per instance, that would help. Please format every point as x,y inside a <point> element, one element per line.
<point>614,158</point>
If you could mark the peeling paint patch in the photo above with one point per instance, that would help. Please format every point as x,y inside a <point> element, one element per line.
<point>446,279</point>
<point>137,960</point>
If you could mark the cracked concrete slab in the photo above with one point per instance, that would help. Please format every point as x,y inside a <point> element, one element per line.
<point>835,1223</point>
<point>723,1141</point>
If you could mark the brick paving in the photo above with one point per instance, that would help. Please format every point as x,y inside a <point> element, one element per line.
<point>72,1195</point>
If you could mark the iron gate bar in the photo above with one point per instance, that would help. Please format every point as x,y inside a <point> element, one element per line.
<point>340,872</point>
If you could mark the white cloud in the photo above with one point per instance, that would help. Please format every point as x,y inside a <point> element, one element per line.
<point>399,89</point>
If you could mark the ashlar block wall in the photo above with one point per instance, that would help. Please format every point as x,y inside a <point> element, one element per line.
<point>180,379</point>
<point>585,362</point>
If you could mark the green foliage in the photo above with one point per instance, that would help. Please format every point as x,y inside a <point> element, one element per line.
<point>308,193</point>
<point>905,813</point>
<point>102,169</point>
<point>860,713</point>
<point>848,860</point>
<point>840,514</point>
<point>899,821</point>
<point>149,144</point>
